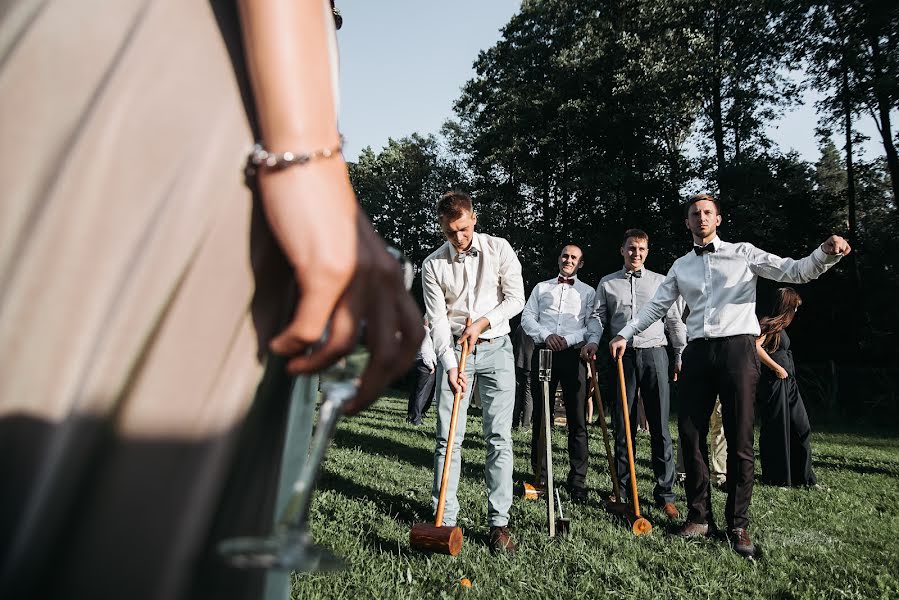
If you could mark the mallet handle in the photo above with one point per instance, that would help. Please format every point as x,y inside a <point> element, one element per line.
<point>448,457</point>
<point>627,433</point>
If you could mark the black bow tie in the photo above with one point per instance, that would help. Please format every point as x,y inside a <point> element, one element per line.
<point>564,280</point>
<point>472,252</point>
<point>710,247</point>
<point>637,274</point>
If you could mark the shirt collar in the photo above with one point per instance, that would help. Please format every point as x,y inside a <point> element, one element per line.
<point>475,243</point>
<point>716,243</point>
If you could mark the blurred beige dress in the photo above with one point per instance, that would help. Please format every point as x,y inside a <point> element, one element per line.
<point>138,288</point>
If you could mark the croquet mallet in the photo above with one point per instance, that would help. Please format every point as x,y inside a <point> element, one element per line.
<point>544,375</point>
<point>613,472</point>
<point>445,539</point>
<point>640,525</point>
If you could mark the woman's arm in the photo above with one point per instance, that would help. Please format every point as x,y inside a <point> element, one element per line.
<point>766,359</point>
<point>343,271</point>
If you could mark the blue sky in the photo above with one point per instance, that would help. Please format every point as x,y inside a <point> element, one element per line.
<point>403,64</point>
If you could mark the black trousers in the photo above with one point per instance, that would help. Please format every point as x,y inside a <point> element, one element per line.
<point>646,369</point>
<point>524,400</point>
<point>421,394</point>
<point>726,367</point>
<point>785,447</point>
<point>568,370</point>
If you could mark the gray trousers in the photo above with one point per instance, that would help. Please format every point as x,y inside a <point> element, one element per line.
<point>494,365</point>
<point>646,369</point>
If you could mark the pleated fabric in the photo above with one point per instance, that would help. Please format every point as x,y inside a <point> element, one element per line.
<point>139,286</point>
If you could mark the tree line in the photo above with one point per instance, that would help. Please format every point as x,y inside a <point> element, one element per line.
<point>587,118</point>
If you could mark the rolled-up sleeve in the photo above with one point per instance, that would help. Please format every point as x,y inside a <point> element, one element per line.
<point>530,318</point>
<point>435,309</point>
<point>512,287</point>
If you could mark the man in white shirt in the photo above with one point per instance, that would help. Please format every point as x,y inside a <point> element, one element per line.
<point>619,297</point>
<point>717,280</point>
<point>421,393</point>
<point>555,317</point>
<point>474,276</point>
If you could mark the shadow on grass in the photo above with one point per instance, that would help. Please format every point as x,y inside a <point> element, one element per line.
<point>401,508</point>
<point>418,457</point>
<point>826,461</point>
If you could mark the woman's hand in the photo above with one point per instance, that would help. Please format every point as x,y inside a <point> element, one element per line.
<point>344,275</point>
<point>780,372</point>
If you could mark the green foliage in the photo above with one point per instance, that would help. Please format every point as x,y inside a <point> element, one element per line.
<point>587,118</point>
<point>399,188</point>
<point>837,542</point>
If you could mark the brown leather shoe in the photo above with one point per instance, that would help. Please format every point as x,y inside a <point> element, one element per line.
<point>692,530</point>
<point>740,542</point>
<point>671,511</point>
<point>501,541</point>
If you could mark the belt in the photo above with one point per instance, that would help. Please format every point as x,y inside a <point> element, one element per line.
<point>482,340</point>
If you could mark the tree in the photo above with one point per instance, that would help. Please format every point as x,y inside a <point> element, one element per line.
<point>741,53</point>
<point>399,188</point>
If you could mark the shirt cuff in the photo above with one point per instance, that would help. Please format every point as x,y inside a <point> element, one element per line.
<point>448,360</point>
<point>826,258</point>
<point>627,332</point>
<point>573,339</point>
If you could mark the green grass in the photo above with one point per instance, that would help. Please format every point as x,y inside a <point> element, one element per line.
<point>841,542</point>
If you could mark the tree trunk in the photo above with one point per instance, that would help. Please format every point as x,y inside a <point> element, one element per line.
<point>883,108</point>
<point>861,313</point>
<point>883,124</point>
<point>717,126</point>
<point>850,168</point>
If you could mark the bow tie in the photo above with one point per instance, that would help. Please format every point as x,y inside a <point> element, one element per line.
<point>638,273</point>
<point>564,280</point>
<point>472,252</point>
<point>710,247</point>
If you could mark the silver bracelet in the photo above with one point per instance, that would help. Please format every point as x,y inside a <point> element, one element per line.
<point>261,159</point>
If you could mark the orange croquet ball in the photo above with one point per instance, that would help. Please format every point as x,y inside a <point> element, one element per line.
<point>465,582</point>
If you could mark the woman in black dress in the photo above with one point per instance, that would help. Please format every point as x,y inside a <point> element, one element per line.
<point>785,440</point>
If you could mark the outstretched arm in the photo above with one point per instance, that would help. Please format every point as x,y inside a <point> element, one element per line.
<point>666,294</point>
<point>770,266</point>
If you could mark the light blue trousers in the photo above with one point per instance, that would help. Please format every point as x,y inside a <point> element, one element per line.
<point>494,366</point>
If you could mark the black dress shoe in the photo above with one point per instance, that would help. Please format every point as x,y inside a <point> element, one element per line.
<point>579,495</point>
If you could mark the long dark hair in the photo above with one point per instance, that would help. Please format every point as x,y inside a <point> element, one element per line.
<point>785,306</point>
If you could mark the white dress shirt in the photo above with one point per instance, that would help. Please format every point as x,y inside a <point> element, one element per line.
<point>483,282</point>
<point>719,288</point>
<point>620,296</point>
<point>558,308</point>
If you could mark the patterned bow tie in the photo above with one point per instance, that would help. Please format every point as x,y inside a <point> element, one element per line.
<point>564,280</point>
<point>472,252</point>
<point>637,274</point>
<point>710,247</point>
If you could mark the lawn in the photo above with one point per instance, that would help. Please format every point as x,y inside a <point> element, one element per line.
<point>841,541</point>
